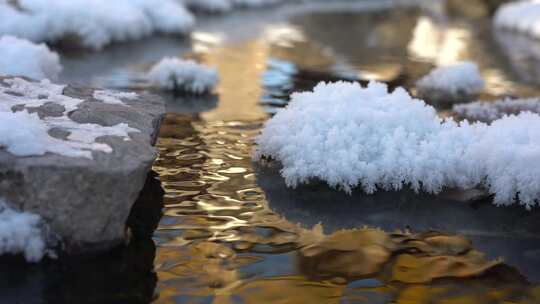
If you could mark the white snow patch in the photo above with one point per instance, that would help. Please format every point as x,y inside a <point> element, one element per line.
<point>25,134</point>
<point>452,82</point>
<point>20,232</point>
<point>521,16</point>
<point>350,136</point>
<point>489,111</point>
<point>187,75</point>
<point>96,22</point>
<point>113,97</point>
<point>20,57</point>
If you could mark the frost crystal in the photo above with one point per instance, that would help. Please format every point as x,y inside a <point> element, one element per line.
<point>183,75</point>
<point>452,82</point>
<point>489,111</point>
<point>522,16</point>
<point>350,136</point>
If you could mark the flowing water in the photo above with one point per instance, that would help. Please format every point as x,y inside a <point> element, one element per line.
<point>232,232</point>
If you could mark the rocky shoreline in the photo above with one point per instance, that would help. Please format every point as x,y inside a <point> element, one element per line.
<point>84,201</point>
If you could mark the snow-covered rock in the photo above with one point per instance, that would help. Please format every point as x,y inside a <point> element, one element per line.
<point>351,136</point>
<point>183,75</point>
<point>26,134</point>
<point>20,57</point>
<point>77,161</point>
<point>95,22</point>
<point>488,111</point>
<point>522,16</point>
<point>21,232</point>
<point>452,83</point>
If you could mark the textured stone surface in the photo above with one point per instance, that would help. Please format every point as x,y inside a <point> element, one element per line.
<point>86,201</point>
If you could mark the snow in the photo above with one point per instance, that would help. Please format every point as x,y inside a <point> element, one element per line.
<point>95,22</point>
<point>25,134</point>
<point>490,111</point>
<point>348,136</point>
<point>20,232</point>
<point>451,82</point>
<point>113,97</point>
<point>183,75</point>
<point>20,57</point>
<point>521,16</point>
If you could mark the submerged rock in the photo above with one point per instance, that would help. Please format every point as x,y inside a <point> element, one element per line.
<point>83,178</point>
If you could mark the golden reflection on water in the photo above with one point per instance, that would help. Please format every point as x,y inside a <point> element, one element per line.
<point>239,68</point>
<point>220,242</point>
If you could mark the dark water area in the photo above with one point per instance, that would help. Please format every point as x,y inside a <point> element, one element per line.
<point>232,232</point>
<point>123,275</point>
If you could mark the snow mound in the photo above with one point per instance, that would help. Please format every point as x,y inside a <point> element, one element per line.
<point>95,22</point>
<point>183,75</point>
<point>349,136</point>
<point>451,83</point>
<point>521,16</point>
<point>25,134</point>
<point>490,111</point>
<point>20,57</point>
<point>20,232</point>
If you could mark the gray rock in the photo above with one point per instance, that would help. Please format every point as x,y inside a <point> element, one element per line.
<point>86,201</point>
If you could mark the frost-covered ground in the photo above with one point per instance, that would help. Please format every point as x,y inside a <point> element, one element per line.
<point>20,57</point>
<point>522,16</point>
<point>451,83</point>
<point>489,111</point>
<point>350,136</point>
<point>183,75</point>
<point>24,134</point>
<point>21,232</point>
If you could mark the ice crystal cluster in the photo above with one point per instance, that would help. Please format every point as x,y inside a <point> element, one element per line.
<point>353,136</point>
<point>183,75</point>
<point>451,83</point>
<point>488,111</point>
<point>522,16</point>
